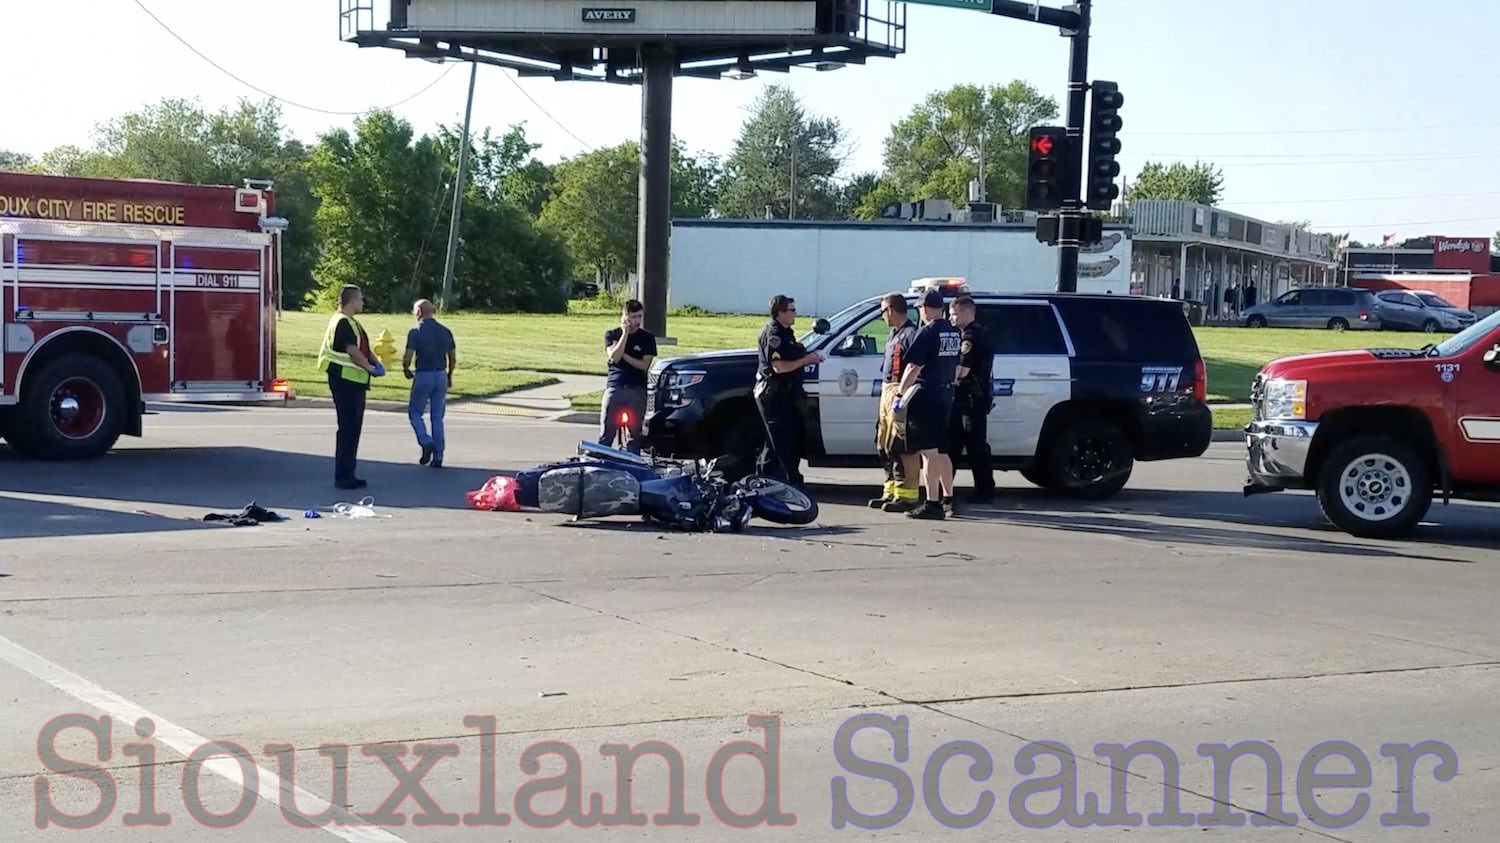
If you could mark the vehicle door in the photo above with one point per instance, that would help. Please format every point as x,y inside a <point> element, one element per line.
<point>1394,310</point>
<point>1285,311</point>
<point>217,317</point>
<point>1032,371</point>
<point>1474,387</point>
<point>849,386</point>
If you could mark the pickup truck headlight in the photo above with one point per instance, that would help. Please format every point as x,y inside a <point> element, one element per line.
<point>1285,399</point>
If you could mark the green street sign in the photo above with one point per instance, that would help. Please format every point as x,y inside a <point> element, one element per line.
<point>986,6</point>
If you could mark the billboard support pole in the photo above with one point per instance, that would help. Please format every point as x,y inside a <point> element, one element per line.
<point>658,66</point>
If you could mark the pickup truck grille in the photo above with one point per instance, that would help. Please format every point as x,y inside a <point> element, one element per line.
<point>651,393</point>
<point>1257,392</point>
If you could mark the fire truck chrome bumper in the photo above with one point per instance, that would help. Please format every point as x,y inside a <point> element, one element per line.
<point>217,398</point>
<point>1276,453</point>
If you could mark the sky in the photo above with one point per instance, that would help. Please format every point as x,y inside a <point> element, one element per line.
<point>1363,116</point>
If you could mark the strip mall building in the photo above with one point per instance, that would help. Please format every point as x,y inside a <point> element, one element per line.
<point>1462,270</point>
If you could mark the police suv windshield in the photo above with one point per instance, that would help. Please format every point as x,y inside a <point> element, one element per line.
<point>1467,338</point>
<point>838,322</point>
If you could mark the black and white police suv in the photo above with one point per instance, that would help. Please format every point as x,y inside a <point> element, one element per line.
<point>1085,386</point>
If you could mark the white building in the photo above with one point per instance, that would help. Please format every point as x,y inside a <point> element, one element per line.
<point>736,266</point>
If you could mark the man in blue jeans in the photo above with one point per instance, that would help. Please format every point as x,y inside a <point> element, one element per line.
<point>430,345</point>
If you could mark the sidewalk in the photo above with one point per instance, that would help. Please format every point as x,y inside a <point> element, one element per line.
<point>553,398</point>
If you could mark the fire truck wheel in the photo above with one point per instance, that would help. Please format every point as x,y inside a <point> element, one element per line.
<point>73,409</point>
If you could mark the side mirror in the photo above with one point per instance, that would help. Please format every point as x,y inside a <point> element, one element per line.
<point>1492,359</point>
<point>821,327</point>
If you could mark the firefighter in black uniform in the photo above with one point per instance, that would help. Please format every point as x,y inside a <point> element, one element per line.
<point>973,399</point>
<point>778,388</point>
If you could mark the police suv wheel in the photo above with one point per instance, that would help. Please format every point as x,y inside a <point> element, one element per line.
<point>73,409</point>
<point>1375,487</point>
<point>1089,459</point>
<point>1037,476</point>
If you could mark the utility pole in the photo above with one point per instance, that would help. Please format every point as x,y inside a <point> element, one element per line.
<point>1070,223</point>
<point>458,194</point>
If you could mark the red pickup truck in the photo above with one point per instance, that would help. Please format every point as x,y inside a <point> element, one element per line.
<point>1377,432</point>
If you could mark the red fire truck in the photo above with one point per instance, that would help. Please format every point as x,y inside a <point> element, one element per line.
<point>119,293</point>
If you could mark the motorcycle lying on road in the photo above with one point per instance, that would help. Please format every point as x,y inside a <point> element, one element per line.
<point>603,482</point>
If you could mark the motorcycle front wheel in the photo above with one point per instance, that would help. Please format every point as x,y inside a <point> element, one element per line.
<point>778,502</point>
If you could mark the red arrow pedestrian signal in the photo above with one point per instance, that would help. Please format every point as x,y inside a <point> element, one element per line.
<point>1042,145</point>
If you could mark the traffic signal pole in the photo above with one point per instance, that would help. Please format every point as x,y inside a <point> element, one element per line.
<point>1070,226</point>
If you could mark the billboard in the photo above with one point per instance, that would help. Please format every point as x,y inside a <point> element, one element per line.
<point>622,20</point>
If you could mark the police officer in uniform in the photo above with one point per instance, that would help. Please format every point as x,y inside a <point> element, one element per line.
<point>345,355</point>
<point>778,387</point>
<point>902,468</point>
<point>973,398</point>
<point>927,388</point>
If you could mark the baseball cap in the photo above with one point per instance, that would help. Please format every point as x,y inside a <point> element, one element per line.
<point>932,298</point>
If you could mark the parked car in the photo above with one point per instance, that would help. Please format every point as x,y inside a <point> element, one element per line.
<point>1084,385</point>
<point>1420,310</point>
<point>1374,433</point>
<point>1335,308</point>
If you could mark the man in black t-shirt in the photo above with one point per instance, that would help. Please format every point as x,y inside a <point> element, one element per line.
<point>628,350</point>
<point>927,398</point>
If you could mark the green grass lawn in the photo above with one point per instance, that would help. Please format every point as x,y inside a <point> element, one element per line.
<point>504,353</point>
<point>1235,355</point>
<point>498,354</point>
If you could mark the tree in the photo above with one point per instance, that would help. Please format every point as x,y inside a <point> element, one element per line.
<point>853,193</point>
<point>934,152</point>
<point>14,162</point>
<point>782,151</point>
<point>386,210</point>
<point>1201,183</point>
<point>595,207</point>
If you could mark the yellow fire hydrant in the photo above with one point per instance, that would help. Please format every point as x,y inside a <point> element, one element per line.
<point>385,349</point>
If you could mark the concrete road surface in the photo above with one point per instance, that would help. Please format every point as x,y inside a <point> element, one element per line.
<point>439,674</point>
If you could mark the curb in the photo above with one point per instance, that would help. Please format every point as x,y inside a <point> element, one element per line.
<point>1229,436</point>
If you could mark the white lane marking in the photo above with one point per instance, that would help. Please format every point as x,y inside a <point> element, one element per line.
<point>180,740</point>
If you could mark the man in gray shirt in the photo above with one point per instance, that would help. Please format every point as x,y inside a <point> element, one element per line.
<point>430,346</point>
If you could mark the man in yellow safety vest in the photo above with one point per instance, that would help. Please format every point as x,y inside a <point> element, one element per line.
<point>346,357</point>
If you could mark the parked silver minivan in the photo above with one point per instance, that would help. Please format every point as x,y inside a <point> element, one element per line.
<point>1335,308</point>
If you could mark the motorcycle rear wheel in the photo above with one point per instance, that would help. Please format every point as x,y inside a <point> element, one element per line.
<point>778,502</point>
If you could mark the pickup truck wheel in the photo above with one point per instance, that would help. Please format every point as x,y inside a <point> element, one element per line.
<point>1375,487</point>
<point>73,409</point>
<point>1089,459</point>
<point>1337,324</point>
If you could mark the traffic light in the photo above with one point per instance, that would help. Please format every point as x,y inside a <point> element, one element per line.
<point>1046,171</point>
<point>1104,145</point>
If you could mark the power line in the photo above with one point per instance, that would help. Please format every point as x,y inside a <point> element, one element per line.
<point>1358,199</point>
<point>1390,225</point>
<point>557,122</point>
<point>1346,130</point>
<point>1299,155</point>
<point>252,86</point>
<point>1340,162</point>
